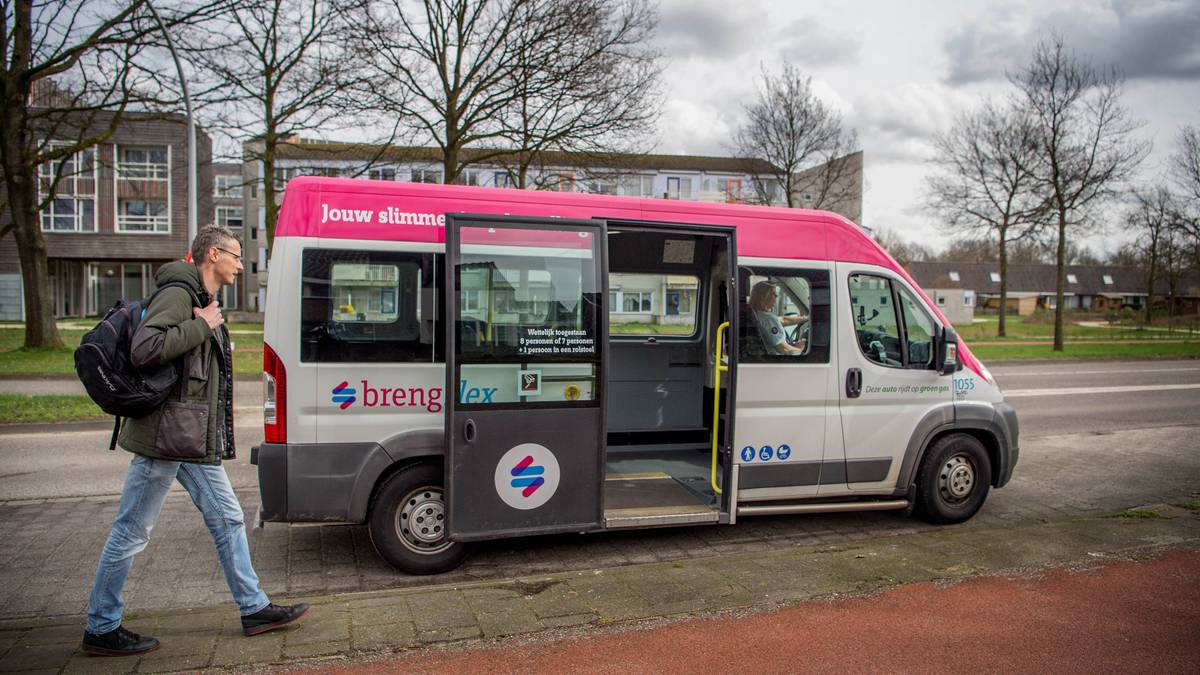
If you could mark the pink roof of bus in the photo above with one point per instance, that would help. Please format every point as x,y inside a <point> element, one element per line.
<point>342,208</point>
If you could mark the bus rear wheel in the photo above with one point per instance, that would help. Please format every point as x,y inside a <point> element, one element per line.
<point>408,522</point>
<point>955,477</point>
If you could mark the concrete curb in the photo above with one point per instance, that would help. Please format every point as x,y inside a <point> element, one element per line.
<point>391,621</point>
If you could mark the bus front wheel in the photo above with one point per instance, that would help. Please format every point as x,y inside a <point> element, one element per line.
<point>408,522</point>
<point>954,480</point>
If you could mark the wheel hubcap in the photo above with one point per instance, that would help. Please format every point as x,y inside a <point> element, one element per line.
<point>956,479</point>
<point>421,521</point>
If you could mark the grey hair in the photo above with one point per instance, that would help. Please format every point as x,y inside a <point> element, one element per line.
<point>211,236</point>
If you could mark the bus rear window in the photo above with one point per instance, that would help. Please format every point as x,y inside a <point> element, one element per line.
<point>367,306</point>
<point>652,304</point>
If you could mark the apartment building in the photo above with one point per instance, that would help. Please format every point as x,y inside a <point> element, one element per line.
<point>119,211</point>
<point>687,177</point>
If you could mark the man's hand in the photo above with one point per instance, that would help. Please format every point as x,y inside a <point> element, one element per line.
<point>211,314</point>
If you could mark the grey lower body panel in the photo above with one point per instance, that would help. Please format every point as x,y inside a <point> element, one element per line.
<point>318,482</point>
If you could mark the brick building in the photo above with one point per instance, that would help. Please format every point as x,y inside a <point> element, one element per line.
<point>119,212</point>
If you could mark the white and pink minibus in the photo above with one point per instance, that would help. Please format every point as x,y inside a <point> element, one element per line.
<point>449,364</point>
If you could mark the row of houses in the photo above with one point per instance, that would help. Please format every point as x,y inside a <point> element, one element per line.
<point>963,289</point>
<point>122,210</point>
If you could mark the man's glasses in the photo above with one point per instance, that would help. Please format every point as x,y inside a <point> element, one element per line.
<point>236,256</point>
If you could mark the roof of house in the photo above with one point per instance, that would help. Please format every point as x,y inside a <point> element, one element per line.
<point>326,151</point>
<point>1089,279</point>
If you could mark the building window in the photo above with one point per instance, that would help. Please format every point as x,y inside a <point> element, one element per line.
<point>426,176</point>
<point>1071,279</point>
<point>253,267</point>
<point>470,177</point>
<point>994,276</point>
<point>954,276</point>
<point>386,173</point>
<point>148,163</point>
<point>501,179</point>
<point>808,196</point>
<point>136,215</point>
<point>560,182</point>
<point>679,188</point>
<point>73,182</point>
<point>1108,280</point>
<point>941,300</point>
<point>731,187</point>
<point>968,298</point>
<point>227,186</point>
<point>602,186</point>
<point>229,216</point>
<point>635,302</point>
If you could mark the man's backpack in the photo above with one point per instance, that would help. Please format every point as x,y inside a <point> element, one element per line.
<point>103,363</point>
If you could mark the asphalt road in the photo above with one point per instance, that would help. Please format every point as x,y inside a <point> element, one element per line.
<point>1051,400</point>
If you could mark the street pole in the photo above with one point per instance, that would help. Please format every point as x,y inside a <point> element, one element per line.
<point>193,173</point>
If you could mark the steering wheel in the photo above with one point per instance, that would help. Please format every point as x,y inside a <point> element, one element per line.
<point>797,332</point>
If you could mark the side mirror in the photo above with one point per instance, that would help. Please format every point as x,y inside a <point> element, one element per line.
<point>946,360</point>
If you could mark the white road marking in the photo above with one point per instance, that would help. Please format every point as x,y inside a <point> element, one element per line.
<point>1081,391</point>
<point>1012,373</point>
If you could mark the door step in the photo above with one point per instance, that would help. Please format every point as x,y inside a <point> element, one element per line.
<point>652,499</point>
<point>832,507</point>
<point>652,516</point>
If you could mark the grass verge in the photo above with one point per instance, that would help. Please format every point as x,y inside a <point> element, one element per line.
<point>1193,505</point>
<point>15,361</point>
<point>17,408</point>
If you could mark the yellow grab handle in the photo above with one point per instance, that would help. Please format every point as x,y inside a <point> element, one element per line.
<point>720,368</point>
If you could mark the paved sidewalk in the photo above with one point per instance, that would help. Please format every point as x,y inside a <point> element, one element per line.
<point>387,622</point>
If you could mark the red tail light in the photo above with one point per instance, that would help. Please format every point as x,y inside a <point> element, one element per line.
<point>274,397</point>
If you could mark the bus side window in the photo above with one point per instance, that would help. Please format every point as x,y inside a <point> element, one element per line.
<point>790,306</point>
<point>875,320</point>
<point>366,306</point>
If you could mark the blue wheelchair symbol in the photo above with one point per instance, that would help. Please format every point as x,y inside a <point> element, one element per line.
<point>784,452</point>
<point>765,453</point>
<point>748,453</point>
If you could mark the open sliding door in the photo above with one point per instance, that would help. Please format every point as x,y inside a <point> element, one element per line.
<point>527,343</point>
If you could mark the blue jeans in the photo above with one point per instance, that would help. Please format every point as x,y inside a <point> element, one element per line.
<point>146,487</point>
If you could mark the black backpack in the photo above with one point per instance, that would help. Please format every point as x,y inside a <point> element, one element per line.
<point>103,363</point>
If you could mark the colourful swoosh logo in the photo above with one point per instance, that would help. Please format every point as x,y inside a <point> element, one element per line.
<point>528,476</point>
<point>344,394</point>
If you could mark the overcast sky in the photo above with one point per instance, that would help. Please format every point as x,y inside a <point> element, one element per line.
<point>900,71</point>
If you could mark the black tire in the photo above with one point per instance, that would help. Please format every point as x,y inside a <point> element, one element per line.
<point>414,495</point>
<point>954,479</point>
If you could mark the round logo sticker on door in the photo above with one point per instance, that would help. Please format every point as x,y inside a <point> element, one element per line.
<point>527,476</point>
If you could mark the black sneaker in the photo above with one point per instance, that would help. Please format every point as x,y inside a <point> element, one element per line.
<point>272,617</point>
<point>118,642</point>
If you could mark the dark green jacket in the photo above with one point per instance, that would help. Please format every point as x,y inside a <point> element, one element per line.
<point>202,401</point>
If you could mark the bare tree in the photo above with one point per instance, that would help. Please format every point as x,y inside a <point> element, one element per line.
<point>1086,139</point>
<point>514,79</point>
<point>985,182</point>
<point>903,250</point>
<point>274,69</point>
<point>1185,168</point>
<point>589,85</point>
<point>1153,219</point>
<point>70,72</point>
<point>791,128</point>
<point>1185,162</point>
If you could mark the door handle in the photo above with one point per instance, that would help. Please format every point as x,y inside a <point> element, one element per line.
<point>853,383</point>
<point>469,431</point>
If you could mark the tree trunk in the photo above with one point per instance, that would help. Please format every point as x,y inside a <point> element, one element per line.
<point>270,200</point>
<point>40,329</point>
<point>1150,283</point>
<point>1001,331</point>
<point>1060,290</point>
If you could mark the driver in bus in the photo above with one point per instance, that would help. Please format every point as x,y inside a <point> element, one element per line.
<point>770,326</point>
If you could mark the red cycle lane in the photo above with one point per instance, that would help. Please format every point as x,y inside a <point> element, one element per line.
<point>1141,616</point>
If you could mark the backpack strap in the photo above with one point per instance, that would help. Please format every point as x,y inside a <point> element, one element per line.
<point>112,445</point>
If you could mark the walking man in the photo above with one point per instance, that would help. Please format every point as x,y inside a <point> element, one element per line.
<point>185,440</point>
